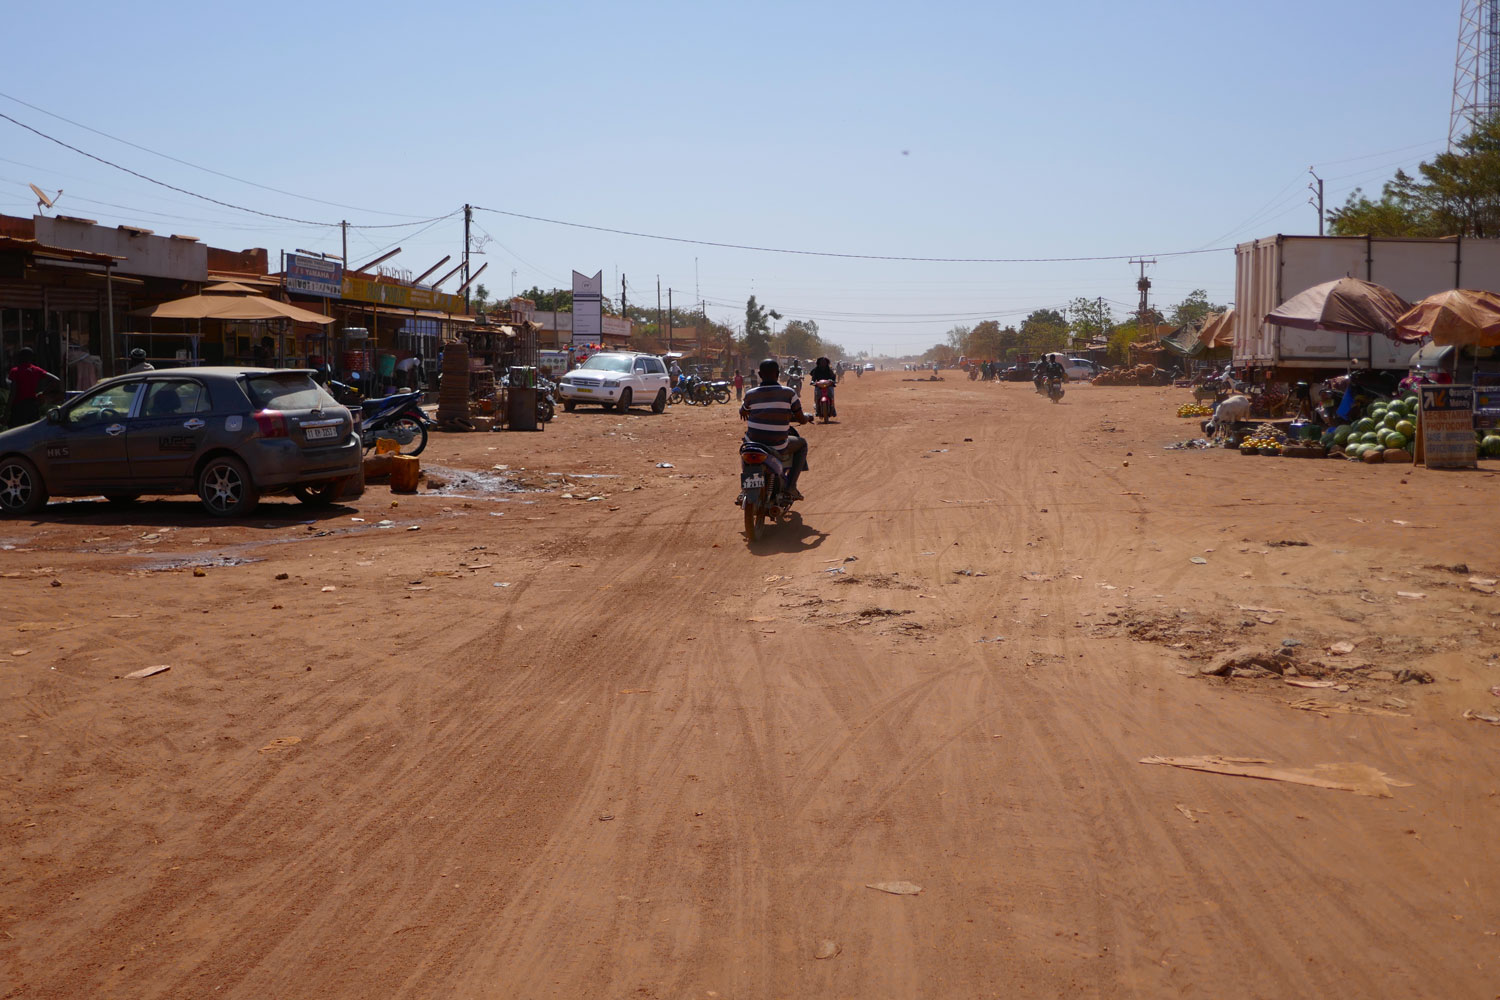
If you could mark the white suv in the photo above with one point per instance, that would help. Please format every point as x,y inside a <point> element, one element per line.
<point>1080,369</point>
<point>617,380</point>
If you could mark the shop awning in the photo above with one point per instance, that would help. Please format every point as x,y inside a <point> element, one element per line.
<point>235,307</point>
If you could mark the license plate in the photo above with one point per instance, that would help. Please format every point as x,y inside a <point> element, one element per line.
<point>581,389</point>
<point>318,433</point>
<point>754,481</point>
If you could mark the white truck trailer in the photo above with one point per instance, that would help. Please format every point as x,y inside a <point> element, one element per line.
<point>1269,271</point>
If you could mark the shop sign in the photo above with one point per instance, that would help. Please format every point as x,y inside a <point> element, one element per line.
<point>588,308</point>
<point>314,276</point>
<point>400,296</point>
<point>1486,407</point>
<point>1445,431</point>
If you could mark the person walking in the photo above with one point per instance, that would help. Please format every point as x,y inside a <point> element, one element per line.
<point>739,384</point>
<point>27,383</point>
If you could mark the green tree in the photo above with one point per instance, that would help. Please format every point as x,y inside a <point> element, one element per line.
<point>1193,308</point>
<point>1043,331</point>
<point>986,341</point>
<point>557,299</point>
<point>941,353</point>
<point>1120,340</point>
<point>481,298</point>
<point>1091,318</point>
<point>799,338</point>
<point>958,339</point>
<point>757,338</point>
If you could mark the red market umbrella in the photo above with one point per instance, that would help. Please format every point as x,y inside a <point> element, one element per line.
<point>1459,316</point>
<point>1348,305</point>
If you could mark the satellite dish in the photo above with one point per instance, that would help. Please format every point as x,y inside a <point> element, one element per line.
<point>42,201</point>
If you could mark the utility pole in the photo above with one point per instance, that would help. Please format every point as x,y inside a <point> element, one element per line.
<point>1144,285</point>
<point>345,227</point>
<point>468,217</point>
<point>622,296</point>
<point>1316,201</point>
<point>659,327</point>
<point>669,320</point>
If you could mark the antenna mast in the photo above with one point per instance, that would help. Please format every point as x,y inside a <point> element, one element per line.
<point>1476,69</point>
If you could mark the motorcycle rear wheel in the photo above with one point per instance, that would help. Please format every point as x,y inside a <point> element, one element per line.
<point>752,522</point>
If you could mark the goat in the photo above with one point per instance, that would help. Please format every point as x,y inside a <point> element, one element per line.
<point>1226,414</point>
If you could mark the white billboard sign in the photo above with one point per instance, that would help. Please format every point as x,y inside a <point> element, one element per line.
<point>588,308</point>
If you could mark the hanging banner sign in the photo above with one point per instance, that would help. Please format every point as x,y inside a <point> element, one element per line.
<point>588,308</point>
<point>404,296</point>
<point>1445,430</point>
<point>314,276</point>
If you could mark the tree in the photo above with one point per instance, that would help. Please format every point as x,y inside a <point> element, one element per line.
<point>799,338</point>
<point>941,353</point>
<point>1193,308</point>
<point>1120,340</point>
<point>986,341</point>
<point>757,338</point>
<point>481,298</point>
<point>558,299</point>
<point>1091,318</point>
<point>958,339</point>
<point>1043,331</point>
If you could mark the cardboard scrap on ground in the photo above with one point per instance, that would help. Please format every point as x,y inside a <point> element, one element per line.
<point>160,668</point>
<point>896,888</point>
<point>1361,779</point>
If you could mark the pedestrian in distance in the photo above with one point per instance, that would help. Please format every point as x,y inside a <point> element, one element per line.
<point>739,384</point>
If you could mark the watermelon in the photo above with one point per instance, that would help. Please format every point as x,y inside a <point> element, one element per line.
<point>1491,445</point>
<point>1364,424</point>
<point>1395,440</point>
<point>1412,402</point>
<point>1341,433</point>
<point>1369,437</point>
<point>1390,420</point>
<point>1407,429</point>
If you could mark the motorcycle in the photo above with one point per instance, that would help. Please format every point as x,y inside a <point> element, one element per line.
<point>794,383</point>
<point>762,489</point>
<point>1054,388</point>
<point>398,418</point>
<point>823,399</point>
<point>721,391</point>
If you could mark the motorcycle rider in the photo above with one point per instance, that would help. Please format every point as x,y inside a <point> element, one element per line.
<point>1050,368</point>
<point>769,409</point>
<point>823,371</point>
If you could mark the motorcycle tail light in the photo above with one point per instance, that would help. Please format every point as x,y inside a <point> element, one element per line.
<point>752,458</point>
<point>270,423</point>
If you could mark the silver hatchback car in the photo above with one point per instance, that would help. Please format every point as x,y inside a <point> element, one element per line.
<point>227,434</point>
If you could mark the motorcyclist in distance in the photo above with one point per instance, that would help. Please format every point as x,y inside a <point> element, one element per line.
<point>1049,368</point>
<point>769,410</point>
<point>823,371</point>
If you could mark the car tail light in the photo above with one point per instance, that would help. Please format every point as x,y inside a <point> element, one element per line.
<point>270,423</point>
<point>752,458</point>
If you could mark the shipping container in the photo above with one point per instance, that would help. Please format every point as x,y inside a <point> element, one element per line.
<point>1271,270</point>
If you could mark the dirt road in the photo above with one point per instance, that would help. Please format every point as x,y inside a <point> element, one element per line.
<point>538,744</point>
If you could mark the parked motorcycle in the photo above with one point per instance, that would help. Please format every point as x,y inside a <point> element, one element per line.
<point>721,390</point>
<point>823,399</point>
<point>398,418</point>
<point>762,489</point>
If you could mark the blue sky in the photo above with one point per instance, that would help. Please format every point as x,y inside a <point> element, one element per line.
<point>946,129</point>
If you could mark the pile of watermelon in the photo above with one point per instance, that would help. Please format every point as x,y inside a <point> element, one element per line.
<point>1384,433</point>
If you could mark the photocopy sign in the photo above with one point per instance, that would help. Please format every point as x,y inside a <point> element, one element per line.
<point>314,276</point>
<point>588,308</point>
<point>1445,432</point>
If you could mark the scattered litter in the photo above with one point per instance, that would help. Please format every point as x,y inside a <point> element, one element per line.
<point>160,668</point>
<point>19,652</point>
<point>1186,812</point>
<point>1269,611</point>
<point>283,576</point>
<point>761,620</point>
<point>850,559</point>
<point>1289,643</point>
<point>1347,708</point>
<point>1198,561</point>
<point>827,949</point>
<point>606,817</point>
<point>329,590</point>
<point>1032,576</point>
<point>969,572</point>
<point>1411,595</point>
<point>1308,682</point>
<point>125,616</point>
<point>1361,779</point>
<point>1493,720</point>
<point>280,743</point>
<point>895,888</point>
<point>665,465</point>
<point>1193,443</point>
<point>384,524</point>
<point>834,569</point>
<point>500,584</point>
<point>358,520</point>
<point>777,579</point>
<point>1341,648</point>
<point>415,527</point>
<point>1483,584</point>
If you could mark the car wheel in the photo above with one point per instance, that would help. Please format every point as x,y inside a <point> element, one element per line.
<point>21,488</point>
<point>660,402</point>
<point>624,403</point>
<point>225,487</point>
<point>568,405</point>
<point>318,494</point>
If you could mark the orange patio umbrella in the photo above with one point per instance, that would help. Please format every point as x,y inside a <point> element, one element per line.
<point>1459,316</point>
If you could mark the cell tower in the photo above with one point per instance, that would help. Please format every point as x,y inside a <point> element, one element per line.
<point>1476,72</point>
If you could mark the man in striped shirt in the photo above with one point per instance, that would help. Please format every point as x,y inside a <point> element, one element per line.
<point>769,410</point>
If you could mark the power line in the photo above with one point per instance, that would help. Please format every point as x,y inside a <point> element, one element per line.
<point>846,256</point>
<point>204,197</point>
<point>195,166</point>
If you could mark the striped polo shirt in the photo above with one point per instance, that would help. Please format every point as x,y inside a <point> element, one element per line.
<point>770,408</point>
